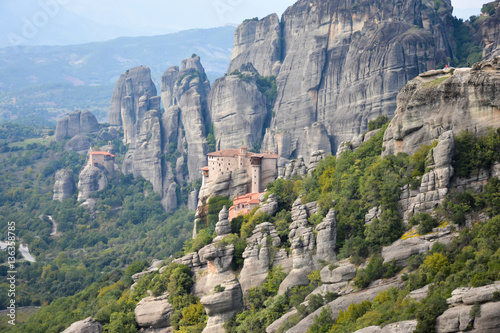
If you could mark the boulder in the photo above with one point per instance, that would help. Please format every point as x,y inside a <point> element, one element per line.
<point>88,325</point>
<point>342,273</point>
<point>454,320</point>
<point>153,312</point>
<point>489,320</point>
<point>403,249</point>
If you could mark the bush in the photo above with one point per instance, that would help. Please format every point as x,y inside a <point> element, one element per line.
<point>378,122</point>
<point>425,221</point>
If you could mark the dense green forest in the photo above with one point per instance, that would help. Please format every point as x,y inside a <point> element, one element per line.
<point>127,225</point>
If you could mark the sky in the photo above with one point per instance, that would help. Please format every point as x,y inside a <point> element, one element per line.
<point>38,22</point>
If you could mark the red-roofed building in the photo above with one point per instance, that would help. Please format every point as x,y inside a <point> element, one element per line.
<point>244,204</point>
<point>102,158</point>
<point>258,166</point>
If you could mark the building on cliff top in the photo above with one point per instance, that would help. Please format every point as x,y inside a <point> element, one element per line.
<point>102,158</point>
<point>225,162</point>
<point>244,204</point>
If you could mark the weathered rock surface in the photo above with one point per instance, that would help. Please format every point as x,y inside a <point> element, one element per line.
<point>270,206</point>
<point>303,243</point>
<point>470,296</point>
<point>333,74</point>
<point>342,303</point>
<point>88,325</point>
<point>80,143</point>
<point>316,157</point>
<point>454,320</point>
<point>407,326</point>
<point>419,294</point>
<point>488,33</point>
<point>221,306</point>
<point>136,108</point>
<point>223,227</point>
<point>127,107</point>
<point>78,122</point>
<point>258,43</point>
<point>257,256</point>
<point>435,184</point>
<point>458,317</point>
<point>184,93</point>
<point>92,179</point>
<point>442,100</point>
<point>153,312</point>
<point>327,238</point>
<point>296,167</point>
<point>64,186</point>
<point>343,273</point>
<point>238,111</point>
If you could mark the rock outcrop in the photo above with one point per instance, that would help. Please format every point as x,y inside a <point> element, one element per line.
<point>92,179</point>
<point>259,43</point>
<point>460,317</point>
<point>270,206</point>
<point>153,312</point>
<point>444,100</point>
<point>407,326</point>
<point>488,33</point>
<point>88,325</point>
<point>80,143</point>
<point>222,305</point>
<point>327,238</point>
<point>303,243</point>
<point>257,256</point>
<point>133,91</point>
<point>184,93</point>
<point>435,184</point>
<point>64,186</point>
<point>74,123</point>
<point>330,71</point>
<point>238,111</point>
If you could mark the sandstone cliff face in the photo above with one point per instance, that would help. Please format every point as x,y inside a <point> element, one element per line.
<point>238,111</point>
<point>64,186</point>
<point>178,134</point>
<point>78,122</point>
<point>340,64</point>
<point>184,93</point>
<point>258,43</point>
<point>489,33</point>
<point>92,179</point>
<point>443,100</point>
<point>125,103</point>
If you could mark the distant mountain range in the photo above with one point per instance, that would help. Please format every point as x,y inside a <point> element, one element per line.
<point>62,78</point>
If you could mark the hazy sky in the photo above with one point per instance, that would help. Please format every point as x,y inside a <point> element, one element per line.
<point>76,21</point>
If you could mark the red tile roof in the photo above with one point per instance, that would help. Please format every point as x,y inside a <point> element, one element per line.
<point>204,169</point>
<point>102,153</point>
